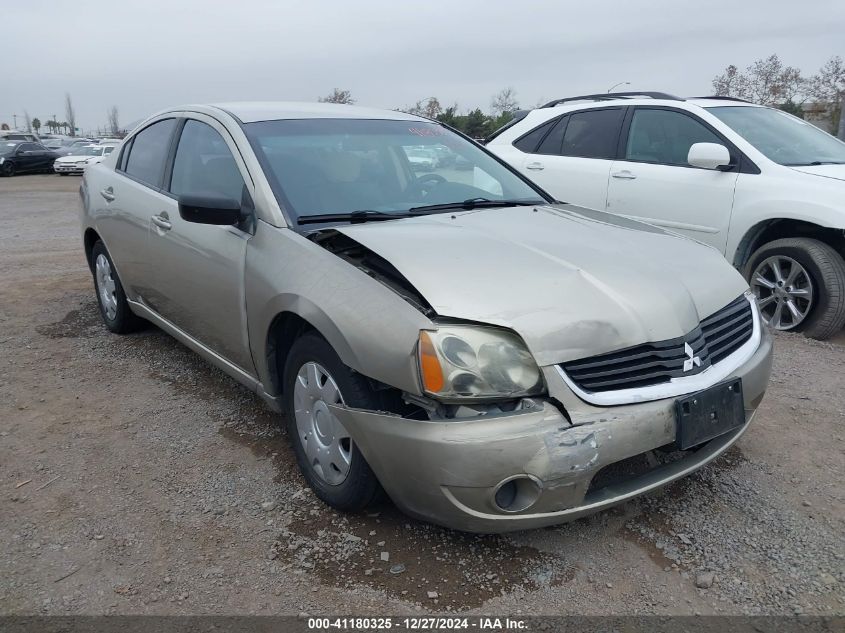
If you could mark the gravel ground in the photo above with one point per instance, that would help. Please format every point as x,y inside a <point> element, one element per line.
<point>137,479</point>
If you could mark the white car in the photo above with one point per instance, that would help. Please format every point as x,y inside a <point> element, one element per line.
<point>763,187</point>
<point>79,160</point>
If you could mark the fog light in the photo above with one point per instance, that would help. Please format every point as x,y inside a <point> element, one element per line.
<point>517,493</point>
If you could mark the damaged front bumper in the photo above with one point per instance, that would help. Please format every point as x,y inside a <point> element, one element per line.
<point>450,471</point>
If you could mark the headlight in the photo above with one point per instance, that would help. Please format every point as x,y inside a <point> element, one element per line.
<point>2,160</point>
<point>460,362</point>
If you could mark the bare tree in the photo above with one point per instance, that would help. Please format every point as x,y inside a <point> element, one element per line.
<point>766,81</point>
<point>338,96</point>
<point>504,101</point>
<point>114,124</point>
<point>828,86</point>
<point>430,108</point>
<point>27,121</point>
<point>70,114</point>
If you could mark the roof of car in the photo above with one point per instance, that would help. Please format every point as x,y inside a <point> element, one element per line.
<point>250,112</point>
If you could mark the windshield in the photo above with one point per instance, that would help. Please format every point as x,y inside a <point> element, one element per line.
<point>322,166</point>
<point>88,151</point>
<point>781,137</point>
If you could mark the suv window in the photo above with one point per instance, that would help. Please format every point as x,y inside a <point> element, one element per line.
<point>554,139</point>
<point>528,142</point>
<point>204,165</point>
<point>665,136</point>
<point>149,152</point>
<point>592,134</point>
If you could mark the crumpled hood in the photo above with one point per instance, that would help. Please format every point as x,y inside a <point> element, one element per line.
<point>572,282</point>
<point>836,172</point>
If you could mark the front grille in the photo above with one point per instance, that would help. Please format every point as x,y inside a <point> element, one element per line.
<point>715,338</point>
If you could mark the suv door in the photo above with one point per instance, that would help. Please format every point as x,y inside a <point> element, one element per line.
<point>198,269</point>
<point>127,201</point>
<point>653,182</point>
<point>573,157</point>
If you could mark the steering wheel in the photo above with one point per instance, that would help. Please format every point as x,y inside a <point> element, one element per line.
<point>422,184</point>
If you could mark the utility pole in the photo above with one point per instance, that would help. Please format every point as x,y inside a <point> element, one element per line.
<point>15,121</point>
<point>841,133</point>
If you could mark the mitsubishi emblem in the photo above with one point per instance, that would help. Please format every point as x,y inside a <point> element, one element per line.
<point>692,360</point>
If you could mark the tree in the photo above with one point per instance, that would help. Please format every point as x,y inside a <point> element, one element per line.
<point>70,114</point>
<point>766,81</point>
<point>36,124</point>
<point>504,101</point>
<point>430,108</point>
<point>828,86</point>
<point>449,116</point>
<point>338,96</point>
<point>477,124</point>
<point>114,125</point>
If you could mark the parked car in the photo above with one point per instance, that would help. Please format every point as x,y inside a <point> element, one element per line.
<point>72,145</point>
<point>16,135</point>
<point>484,355</point>
<point>83,157</point>
<point>19,157</point>
<point>763,187</point>
<point>421,158</point>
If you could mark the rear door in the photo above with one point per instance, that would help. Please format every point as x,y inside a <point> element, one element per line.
<point>573,156</point>
<point>198,269</point>
<point>125,201</point>
<point>653,182</point>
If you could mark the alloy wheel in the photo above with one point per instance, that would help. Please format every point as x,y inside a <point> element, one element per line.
<point>105,286</point>
<point>784,291</point>
<point>327,444</point>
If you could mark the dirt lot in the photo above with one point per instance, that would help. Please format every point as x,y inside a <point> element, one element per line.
<point>134,478</point>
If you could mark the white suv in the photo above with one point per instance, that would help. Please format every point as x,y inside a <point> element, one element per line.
<point>763,187</point>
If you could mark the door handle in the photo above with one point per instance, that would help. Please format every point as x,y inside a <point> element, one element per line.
<point>624,175</point>
<point>162,222</point>
<point>535,166</point>
<point>108,194</point>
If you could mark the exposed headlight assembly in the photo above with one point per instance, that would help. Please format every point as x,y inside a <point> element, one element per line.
<point>461,362</point>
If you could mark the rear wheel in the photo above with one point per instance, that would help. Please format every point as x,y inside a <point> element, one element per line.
<point>314,379</point>
<point>800,286</point>
<point>114,308</point>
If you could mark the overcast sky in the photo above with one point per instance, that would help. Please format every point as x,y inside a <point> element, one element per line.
<point>144,55</point>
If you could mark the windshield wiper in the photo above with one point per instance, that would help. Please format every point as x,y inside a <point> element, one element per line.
<point>474,203</point>
<point>815,163</point>
<point>354,217</point>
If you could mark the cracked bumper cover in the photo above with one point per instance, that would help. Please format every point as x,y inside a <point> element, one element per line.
<point>447,471</point>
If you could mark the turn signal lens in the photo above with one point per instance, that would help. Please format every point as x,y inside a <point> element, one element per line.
<point>432,374</point>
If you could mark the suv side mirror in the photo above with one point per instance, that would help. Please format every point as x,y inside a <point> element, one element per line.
<point>209,210</point>
<point>709,156</point>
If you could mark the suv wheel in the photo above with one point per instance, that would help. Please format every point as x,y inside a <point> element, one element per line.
<point>114,308</point>
<point>800,286</point>
<point>315,378</point>
<point>7,168</point>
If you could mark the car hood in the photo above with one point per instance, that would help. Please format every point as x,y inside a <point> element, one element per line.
<point>73,158</point>
<point>836,172</point>
<point>572,282</point>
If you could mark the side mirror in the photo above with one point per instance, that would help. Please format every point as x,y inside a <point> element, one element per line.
<point>709,156</point>
<point>209,210</point>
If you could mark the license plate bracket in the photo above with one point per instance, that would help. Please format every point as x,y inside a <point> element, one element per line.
<point>706,414</point>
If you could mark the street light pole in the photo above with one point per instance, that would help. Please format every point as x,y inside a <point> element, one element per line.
<point>621,83</point>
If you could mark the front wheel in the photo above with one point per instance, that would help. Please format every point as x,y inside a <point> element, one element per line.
<point>800,286</point>
<point>8,169</point>
<point>314,379</point>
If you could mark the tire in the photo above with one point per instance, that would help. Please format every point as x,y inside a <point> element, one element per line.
<point>825,316</point>
<point>358,487</point>
<point>111,298</point>
<point>8,169</point>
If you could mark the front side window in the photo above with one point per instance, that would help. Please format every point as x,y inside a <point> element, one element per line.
<point>592,134</point>
<point>149,152</point>
<point>665,137</point>
<point>204,166</point>
<point>781,137</point>
<point>323,166</point>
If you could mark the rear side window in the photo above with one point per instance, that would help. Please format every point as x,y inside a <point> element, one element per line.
<point>554,139</point>
<point>665,136</point>
<point>204,165</point>
<point>148,153</point>
<point>529,142</point>
<point>592,134</point>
